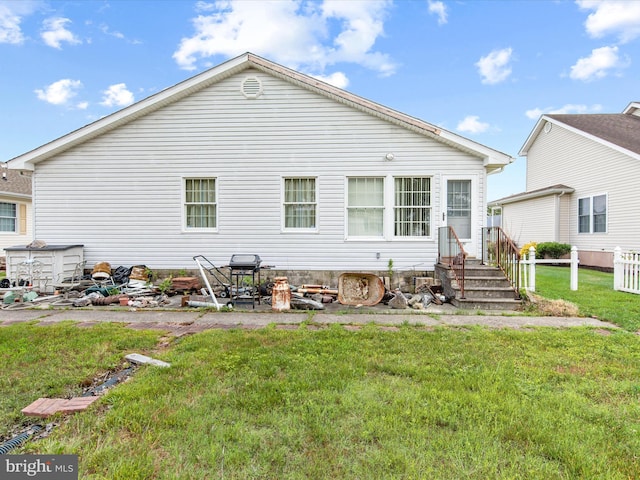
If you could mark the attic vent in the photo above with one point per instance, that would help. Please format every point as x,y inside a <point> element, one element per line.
<point>251,87</point>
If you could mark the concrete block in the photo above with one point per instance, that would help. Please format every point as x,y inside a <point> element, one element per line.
<point>139,359</point>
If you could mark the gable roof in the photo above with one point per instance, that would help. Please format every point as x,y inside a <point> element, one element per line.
<point>492,159</point>
<point>619,131</point>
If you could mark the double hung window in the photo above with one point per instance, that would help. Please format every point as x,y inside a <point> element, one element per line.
<point>365,207</point>
<point>8,217</point>
<point>412,207</point>
<point>592,214</point>
<point>200,203</point>
<point>300,203</point>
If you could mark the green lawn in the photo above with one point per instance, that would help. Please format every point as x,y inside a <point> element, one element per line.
<point>329,403</point>
<point>595,296</point>
<point>55,361</point>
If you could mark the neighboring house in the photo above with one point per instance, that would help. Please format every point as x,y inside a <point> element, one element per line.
<point>251,157</point>
<point>583,173</point>
<point>15,209</point>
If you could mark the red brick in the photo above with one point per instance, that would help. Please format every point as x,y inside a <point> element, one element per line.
<point>43,407</point>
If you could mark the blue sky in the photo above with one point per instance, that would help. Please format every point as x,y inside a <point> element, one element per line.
<point>483,69</point>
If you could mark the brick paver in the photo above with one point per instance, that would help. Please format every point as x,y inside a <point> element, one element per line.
<point>44,407</point>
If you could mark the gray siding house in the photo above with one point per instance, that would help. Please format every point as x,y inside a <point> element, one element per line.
<point>251,157</point>
<point>583,173</point>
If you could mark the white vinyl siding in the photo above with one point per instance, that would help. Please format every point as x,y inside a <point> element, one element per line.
<point>200,203</point>
<point>248,146</point>
<point>299,203</point>
<point>590,168</point>
<point>533,220</point>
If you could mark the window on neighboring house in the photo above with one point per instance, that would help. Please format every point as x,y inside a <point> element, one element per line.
<point>300,203</point>
<point>201,208</point>
<point>412,209</point>
<point>592,214</point>
<point>365,207</point>
<point>8,217</point>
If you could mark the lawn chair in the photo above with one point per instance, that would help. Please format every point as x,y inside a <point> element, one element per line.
<point>29,274</point>
<point>64,283</point>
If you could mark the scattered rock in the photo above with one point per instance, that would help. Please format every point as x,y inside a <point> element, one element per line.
<point>399,301</point>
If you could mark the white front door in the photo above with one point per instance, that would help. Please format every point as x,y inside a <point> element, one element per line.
<point>458,209</point>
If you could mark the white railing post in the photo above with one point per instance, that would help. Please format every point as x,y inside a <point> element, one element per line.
<point>617,269</point>
<point>532,269</point>
<point>574,268</point>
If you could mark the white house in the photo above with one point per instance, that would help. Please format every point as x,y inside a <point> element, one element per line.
<point>15,209</point>
<point>583,173</point>
<point>252,157</point>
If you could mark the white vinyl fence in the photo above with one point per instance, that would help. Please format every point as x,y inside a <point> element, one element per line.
<point>626,271</point>
<point>528,268</point>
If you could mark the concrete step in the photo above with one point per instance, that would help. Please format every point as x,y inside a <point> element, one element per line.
<point>471,282</point>
<point>486,288</point>
<point>469,303</point>
<point>488,292</point>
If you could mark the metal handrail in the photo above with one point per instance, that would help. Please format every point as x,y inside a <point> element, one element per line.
<point>499,250</point>
<point>451,253</point>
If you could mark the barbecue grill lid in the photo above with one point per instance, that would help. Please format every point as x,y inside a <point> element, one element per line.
<point>245,260</point>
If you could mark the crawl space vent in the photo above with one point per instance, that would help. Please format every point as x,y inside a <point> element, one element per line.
<point>251,87</point>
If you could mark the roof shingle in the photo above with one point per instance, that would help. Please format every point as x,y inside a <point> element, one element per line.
<point>620,129</point>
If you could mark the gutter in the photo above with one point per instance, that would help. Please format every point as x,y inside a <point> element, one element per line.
<point>532,195</point>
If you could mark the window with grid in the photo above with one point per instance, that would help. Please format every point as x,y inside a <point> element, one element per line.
<point>592,214</point>
<point>412,207</point>
<point>365,207</point>
<point>8,217</point>
<point>201,208</point>
<point>300,203</point>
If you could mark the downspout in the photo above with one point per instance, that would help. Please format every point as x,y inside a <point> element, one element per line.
<point>557,229</point>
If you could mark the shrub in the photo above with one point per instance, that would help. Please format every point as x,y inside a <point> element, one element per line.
<point>524,251</point>
<point>552,249</point>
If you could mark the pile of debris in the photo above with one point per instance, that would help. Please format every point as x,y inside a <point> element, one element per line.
<point>133,287</point>
<point>125,286</point>
<point>358,289</point>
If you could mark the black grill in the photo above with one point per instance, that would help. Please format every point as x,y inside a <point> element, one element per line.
<point>245,262</point>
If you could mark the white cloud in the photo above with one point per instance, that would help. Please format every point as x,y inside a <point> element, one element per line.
<point>337,79</point>
<point>60,92</point>
<point>494,68</point>
<point>117,95</point>
<point>205,7</point>
<point>11,14</point>
<point>568,108</point>
<point>612,17</point>
<point>439,9</point>
<point>302,35</point>
<point>55,32</point>
<point>10,27</point>
<point>472,124</point>
<point>598,65</point>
